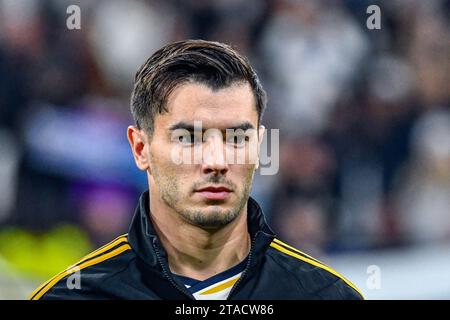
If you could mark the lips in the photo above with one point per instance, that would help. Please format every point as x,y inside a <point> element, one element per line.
<point>214,193</point>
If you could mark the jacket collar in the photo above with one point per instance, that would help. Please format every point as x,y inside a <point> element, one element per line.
<point>144,240</point>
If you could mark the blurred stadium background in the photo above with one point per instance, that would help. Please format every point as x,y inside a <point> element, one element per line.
<point>363,114</point>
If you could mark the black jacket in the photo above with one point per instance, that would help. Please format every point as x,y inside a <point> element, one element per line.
<point>135,266</point>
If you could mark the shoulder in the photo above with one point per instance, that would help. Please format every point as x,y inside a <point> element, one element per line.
<point>84,278</point>
<point>320,280</point>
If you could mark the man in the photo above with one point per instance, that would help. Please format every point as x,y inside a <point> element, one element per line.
<point>196,233</point>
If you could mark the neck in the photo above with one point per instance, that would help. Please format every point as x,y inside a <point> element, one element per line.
<point>195,252</point>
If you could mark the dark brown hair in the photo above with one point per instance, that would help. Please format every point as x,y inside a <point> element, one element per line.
<point>212,63</point>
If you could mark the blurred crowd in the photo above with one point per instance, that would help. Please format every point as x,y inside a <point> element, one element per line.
<point>363,115</point>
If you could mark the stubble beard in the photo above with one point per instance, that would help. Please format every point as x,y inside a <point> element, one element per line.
<point>208,218</point>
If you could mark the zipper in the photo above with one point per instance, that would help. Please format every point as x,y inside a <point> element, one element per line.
<point>166,273</point>
<point>252,246</point>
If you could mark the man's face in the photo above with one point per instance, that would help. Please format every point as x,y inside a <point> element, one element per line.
<point>209,192</point>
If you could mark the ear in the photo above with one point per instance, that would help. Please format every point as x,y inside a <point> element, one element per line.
<point>139,146</point>
<point>262,130</point>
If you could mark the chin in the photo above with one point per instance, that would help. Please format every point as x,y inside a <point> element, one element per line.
<point>213,224</point>
<point>212,217</point>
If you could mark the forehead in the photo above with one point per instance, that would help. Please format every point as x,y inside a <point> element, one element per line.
<point>219,108</point>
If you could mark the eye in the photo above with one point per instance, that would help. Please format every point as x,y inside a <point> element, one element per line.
<point>188,139</point>
<point>238,140</point>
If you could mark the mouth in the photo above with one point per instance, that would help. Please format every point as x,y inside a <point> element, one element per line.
<point>214,192</point>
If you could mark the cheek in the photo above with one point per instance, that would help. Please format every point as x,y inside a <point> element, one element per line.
<point>171,172</point>
<point>243,173</point>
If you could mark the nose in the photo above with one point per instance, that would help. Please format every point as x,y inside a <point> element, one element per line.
<point>214,160</point>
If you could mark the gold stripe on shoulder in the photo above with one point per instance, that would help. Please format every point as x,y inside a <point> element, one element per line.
<point>315,263</point>
<point>121,239</point>
<point>283,244</point>
<point>39,292</point>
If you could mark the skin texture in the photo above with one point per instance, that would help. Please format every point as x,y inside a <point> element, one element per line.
<point>201,236</point>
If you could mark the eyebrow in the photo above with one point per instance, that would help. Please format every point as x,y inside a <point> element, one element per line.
<point>190,127</point>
